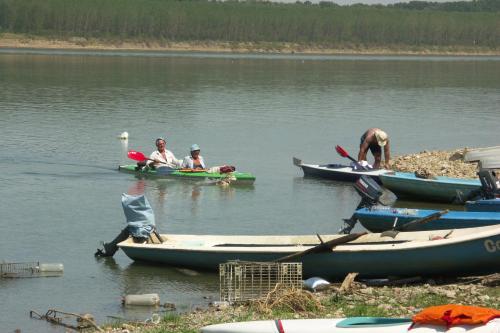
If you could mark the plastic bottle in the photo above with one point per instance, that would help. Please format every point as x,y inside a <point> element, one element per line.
<point>52,267</point>
<point>143,300</point>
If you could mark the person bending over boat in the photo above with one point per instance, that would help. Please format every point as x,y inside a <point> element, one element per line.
<point>194,160</point>
<point>374,139</point>
<point>163,157</point>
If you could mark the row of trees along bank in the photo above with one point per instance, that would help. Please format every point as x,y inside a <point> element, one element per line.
<point>326,24</point>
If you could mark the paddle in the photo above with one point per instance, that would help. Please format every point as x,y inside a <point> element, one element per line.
<point>342,152</point>
<point>324,246</point>
<point>138,156</point>
<point>192,170</point>
<point>410,225</point>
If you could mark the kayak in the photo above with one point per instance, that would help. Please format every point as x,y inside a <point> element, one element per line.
<point>347,325</point>
<point>339,172</point>
<point>239,177</point>
<point>334,325</point>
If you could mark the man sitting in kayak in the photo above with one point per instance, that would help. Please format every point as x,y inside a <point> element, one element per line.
<point>374,139</point>
<point>163,157</point>
<point>195,160</point>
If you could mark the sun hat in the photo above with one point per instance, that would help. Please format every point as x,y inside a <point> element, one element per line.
<point>195,147</point>
<point>381,137</point>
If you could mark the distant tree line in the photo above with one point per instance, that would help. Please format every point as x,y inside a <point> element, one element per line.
<point>455,6</point>
<point>253,21</point>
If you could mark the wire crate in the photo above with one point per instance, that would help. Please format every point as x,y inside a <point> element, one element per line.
<point>29,269</point>
<point>18,269</point>
<point>244,280</point>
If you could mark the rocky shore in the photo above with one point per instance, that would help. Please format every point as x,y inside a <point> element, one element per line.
<point>20,41</point>
<point>428,164</point>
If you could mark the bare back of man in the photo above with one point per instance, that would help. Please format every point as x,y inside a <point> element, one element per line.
<point>374,139</point>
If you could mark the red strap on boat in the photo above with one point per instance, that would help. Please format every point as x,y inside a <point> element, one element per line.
<point>279,326</point>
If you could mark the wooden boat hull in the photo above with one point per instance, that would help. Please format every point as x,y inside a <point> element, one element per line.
<point>349,325</point>
<point>240,177</point>
<point>442,189</point>
<point>379,219</point>
<point>337,172</point>
<point>456,252</point>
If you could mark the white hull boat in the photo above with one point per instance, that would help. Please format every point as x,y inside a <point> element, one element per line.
<point>349,325</point>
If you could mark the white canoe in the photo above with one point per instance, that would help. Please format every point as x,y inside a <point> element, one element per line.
<point>342,325</point>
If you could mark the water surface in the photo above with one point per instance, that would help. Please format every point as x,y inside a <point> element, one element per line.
<point>61,113</point>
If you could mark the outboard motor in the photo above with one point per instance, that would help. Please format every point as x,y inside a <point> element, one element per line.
<point>371,194</point>
<point>369,191</point>
<point>489,185</point>
<point>490,188</point>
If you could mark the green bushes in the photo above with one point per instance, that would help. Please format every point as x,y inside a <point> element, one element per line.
<point>199,20</point>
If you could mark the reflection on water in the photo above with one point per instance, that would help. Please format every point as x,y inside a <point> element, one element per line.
<point>160,190</point>
<point>187,289</point>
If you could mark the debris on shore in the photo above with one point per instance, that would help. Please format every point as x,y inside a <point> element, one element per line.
<point>334,302</point>
<point>428,164</point>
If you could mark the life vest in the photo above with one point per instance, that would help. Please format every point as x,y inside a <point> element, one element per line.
<point>453,314</point>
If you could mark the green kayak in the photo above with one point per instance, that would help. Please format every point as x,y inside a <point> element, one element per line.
<point>238,176</point>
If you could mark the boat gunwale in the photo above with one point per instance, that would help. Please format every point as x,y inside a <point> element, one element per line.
<point>465,235</point>
<point>421,213</point>
<point>410,177</point>
<point>345,169</point>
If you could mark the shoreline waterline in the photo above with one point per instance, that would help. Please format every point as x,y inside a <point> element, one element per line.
<point>17,41</point>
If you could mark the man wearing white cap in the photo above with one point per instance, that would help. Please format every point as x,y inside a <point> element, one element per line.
<point>374,139</point>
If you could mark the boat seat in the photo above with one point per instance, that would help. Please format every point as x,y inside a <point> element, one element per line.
<point>333,166</point>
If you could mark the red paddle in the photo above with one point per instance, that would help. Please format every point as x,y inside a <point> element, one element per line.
<point>138,156</point>
<point>342,152</point>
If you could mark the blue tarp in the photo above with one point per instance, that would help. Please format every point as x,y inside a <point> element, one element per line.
<point>139,215</point>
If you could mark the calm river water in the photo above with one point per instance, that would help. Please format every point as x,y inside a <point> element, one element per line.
<point>61,113</point>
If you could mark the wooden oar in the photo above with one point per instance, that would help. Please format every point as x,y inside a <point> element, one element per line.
<point>342,152</point>
<point>410,225</point>
<point>323,247</point>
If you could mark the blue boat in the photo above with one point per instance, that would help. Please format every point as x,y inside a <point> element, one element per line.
<point>381,218</point>
<point>440,188</point>
<point>455,252</point>
<point>483,205</point>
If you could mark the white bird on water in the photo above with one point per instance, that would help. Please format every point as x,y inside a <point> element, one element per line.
<point>124,136</point>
